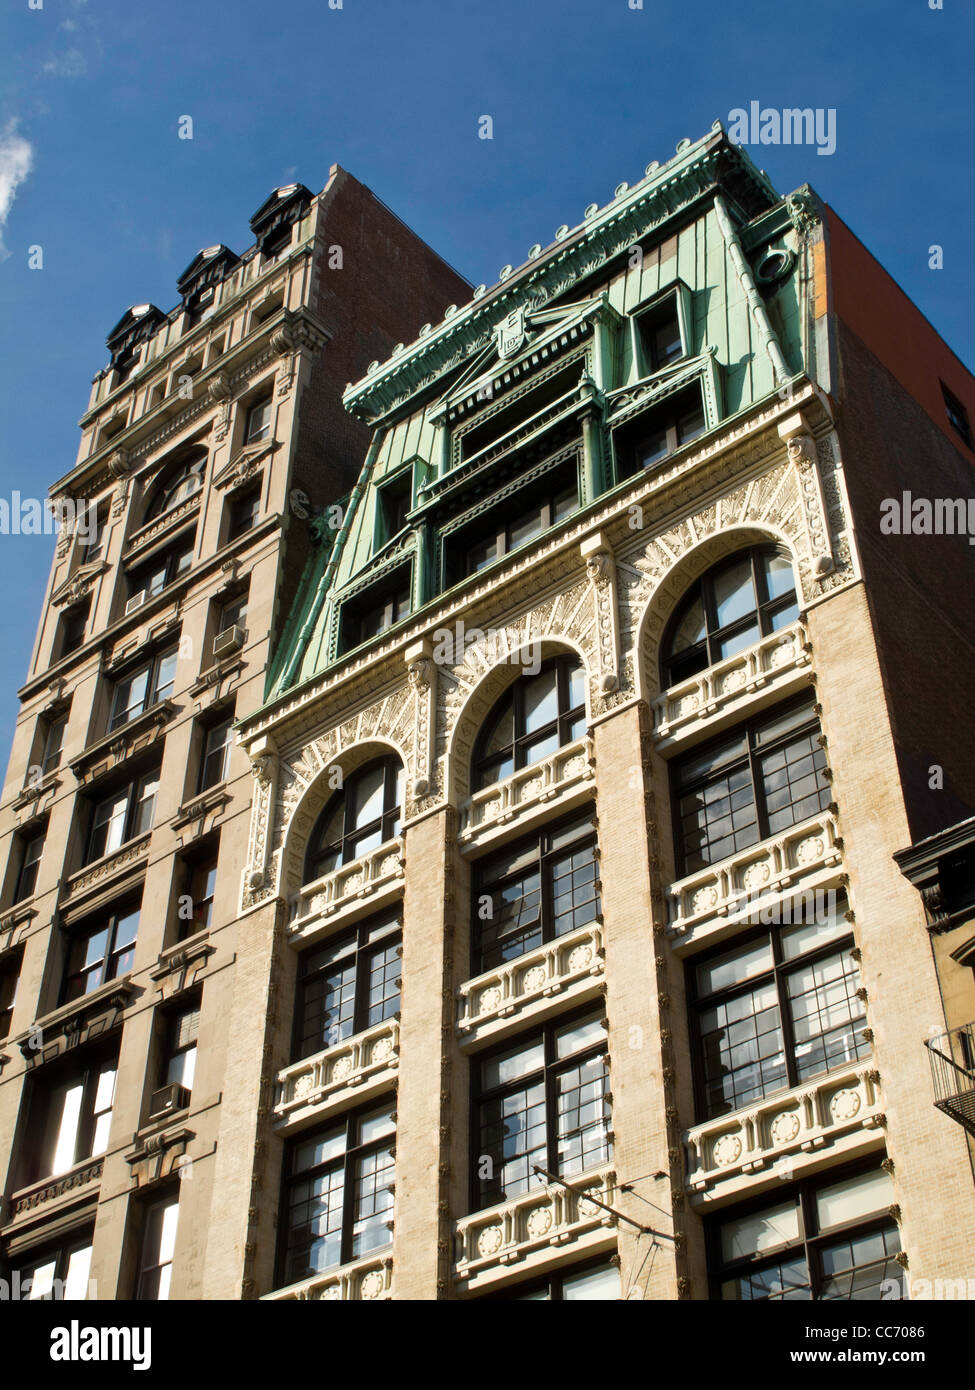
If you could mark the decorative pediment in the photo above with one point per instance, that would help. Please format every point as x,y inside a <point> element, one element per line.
<point>245,464</point>
<point>79,586</point>
<point>156,1157</point>
<point>180,967</point>
<point>197,817</point>
<point>14,924</point>
<point>132,738</point>
<point>75,1024</point>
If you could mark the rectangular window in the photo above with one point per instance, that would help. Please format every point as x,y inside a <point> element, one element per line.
<point>216,754</point>
<point>179,1055</point>
<point>375,610</point>
<point>518,415</point>
<point>233,614</point>
<point>589,1283</point>
<point>544,1102</point>
<point>244,509</point>
<point>258,422</point>
<point>347,985</point>
<point>736,790</point>
<point>197,889</point>
<point>957,416</point>
<point>338,1194</point>
<point>32,848</point>
<point>394,499</point>
<point>145,687</point>
<point>659,333</point>
<point>158,1244</point>
<point>656,435</point>
<point>157,574</point>
<point>53,744</point>
<point>74,623</point>
<point>518,521</point>
<point>775,1009</point>
<point>122,816</point>
<point>9,975</point>
<point>99,952</point>
<point>824,1240</point>
<point>537,890</point>
<point>70,1115</point>
<point>95,546</point>
<point>58,1273</point>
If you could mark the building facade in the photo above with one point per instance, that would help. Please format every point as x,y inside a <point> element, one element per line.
<point>567,956</point>
<point>210,442</point>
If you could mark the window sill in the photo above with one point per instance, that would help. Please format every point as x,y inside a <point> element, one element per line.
<point>366,1279</point>
<point>93,874</point>
<point>362,885</point>
<point>706,703</point>
<point>53,1193</point>
<point>121,743</point>
<point>71,1025</point>
<point>348,1073</point>
<point>838,1111</point>
<point>507,806</point>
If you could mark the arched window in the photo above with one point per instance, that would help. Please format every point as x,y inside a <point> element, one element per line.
<point>742,599</point>
<point>364,814</point>
<point>177,486</point>
<point>537,715</point>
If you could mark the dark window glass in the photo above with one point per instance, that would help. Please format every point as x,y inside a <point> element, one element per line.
<point>276,242</point>
<point>216,754</point>
<point>539,889</point>
<point>145,687</point>
<point>520,414</point>
<point>53,742</point>
<point>338,1195</point>
<point>126,363</point>
<point>347,985</point>
<point>364,814</point>
<point>483,545</point>
<point>9,975</point>
<point>957,416</point>
<point>777,1008</point>
<point>233,614</point>
<point>155,576</point>
<point>93,549</point>
<point>660,335</point>
<point>158,1244</point>
<point>182,483</point>
<point>30,862</point>
<point>100,952</point>
<point>258,422</point>
<point>664,428</point>
<point>245,509</point>
<point>366,615</point>
<point>394,503</point>
<point>736,790</point>
<point>122,816</point>
<point>541,1102</point>
<point>733,605</point>
<point>74,623</point>
<point>536,715</point>
<point>827,1239</point>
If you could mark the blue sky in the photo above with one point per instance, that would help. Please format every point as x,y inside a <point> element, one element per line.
<point>582,93</point>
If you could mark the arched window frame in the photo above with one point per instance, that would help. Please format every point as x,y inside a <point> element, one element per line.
<point>323,856</point>
<point>571,715</point>
<point>167,494</point>
<point>766,615</point>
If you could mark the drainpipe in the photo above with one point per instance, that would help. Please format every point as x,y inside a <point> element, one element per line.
<point>321,591</point>
<point>755,301</point>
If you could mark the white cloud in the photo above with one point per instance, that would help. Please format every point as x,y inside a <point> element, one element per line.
<point>71,63</point>
<point>16,158</point>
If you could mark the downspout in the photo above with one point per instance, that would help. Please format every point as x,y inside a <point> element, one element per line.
<point>755,301</point>
<point>321,592</point>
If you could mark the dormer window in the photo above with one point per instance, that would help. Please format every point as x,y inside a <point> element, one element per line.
<point>276,242</point>
<point>376,609</point>
<point>198,305</point>
<point>126,363</point>
<point>659,335</point>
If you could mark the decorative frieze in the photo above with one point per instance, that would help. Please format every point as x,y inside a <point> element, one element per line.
<point>107,867</point>
<point>601,569</point>
<point>826,1111</point>
<point>753,880</point>
<point>774,665</point>
<point>422,675</point>
<point>47,1193</point>
<point>491,1242</point>
<point>561,969</point>
<point>345,1073</point>
<point>367,1279</point>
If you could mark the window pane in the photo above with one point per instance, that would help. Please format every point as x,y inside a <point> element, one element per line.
<point>42,1280</point>
<point>582,1104</point>
<point>165,676</point>
<point>654,448</point>
<point>691,629</point>
<point>374,1178</point>
<point>856,1269</point>
<point>591,1285</point>
<point>64,1151</point>
<point>865,1195</point>
<point>105,1090</point>
<point>734,967</point>
<point>575,1037</point>
<point>509,1066</point>
<point>577,687</point>
<point>376,1125</point>
<point>76,1277</point>
<point>738,641</point>
<point>734,592</point>
<point>824,920</point>
<point>541,701</point>
<point>367,796</point>
<point>779,579</point>
<point>784,1280</point>
<point>502,733</point>
<point>762,1230</point>
<point>525,527</point>
<point>690,424</point>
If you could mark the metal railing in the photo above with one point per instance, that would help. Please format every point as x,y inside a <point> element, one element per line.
<point>952,1057</point>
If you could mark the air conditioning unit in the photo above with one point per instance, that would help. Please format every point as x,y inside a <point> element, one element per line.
<point>167,1100</point>
<point>230,640</point>
<point>136,601</point>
